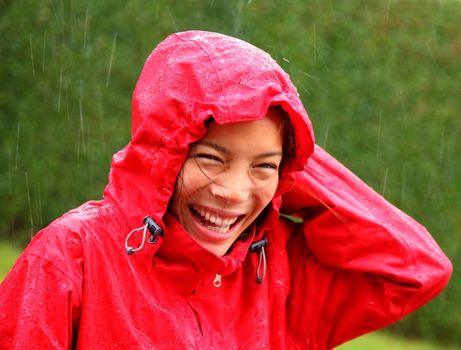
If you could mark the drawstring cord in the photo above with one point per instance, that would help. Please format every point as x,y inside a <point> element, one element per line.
<point>261,269</point>
<point>130,250</point>
<point>154,229</point>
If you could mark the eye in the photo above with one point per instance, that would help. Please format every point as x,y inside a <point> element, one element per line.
<point>207,156</point>
<point>269,166</point>
<point>264,171</point>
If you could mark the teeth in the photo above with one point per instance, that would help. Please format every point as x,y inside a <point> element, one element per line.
<point>219,224</point>
<point>212,219</point>
<point>220,229</point>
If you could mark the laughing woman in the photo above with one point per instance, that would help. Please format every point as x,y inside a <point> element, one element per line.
<point>223,226</point>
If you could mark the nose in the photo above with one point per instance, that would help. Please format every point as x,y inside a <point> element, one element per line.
<point>233,187</point>
<point>231,194</point>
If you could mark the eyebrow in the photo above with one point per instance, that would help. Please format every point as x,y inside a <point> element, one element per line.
<point>213,145</point>
<point>227,152</point>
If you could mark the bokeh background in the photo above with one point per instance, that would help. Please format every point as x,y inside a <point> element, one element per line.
<point>381,81</point>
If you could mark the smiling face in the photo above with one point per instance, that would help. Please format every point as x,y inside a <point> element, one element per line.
<point>228,178</point>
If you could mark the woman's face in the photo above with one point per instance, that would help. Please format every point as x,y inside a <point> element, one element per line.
<point>228,178</point>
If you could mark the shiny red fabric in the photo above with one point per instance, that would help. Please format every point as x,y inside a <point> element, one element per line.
<point>355,263</point>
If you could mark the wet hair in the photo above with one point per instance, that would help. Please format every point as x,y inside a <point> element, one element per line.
<point>288,135</point>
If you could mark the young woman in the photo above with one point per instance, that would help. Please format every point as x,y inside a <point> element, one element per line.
<point>223,226</point>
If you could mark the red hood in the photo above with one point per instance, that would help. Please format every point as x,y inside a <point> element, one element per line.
<point>189,77</point>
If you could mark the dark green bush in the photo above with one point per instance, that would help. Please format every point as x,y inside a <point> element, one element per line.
<point>380,79</point>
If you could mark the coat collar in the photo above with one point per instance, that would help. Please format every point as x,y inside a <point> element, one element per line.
<point>180,255</point>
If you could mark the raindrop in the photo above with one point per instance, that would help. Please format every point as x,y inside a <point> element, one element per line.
<point>315,44</point>
<point>30,206</point>
<point>157,10</point>
<point>39,205</point>
<point>55,12</point>
<point>59,90</point>
<point>43,53</point>
<point>402,107</point>
<point>403,189</point>
<point>10,189</point>
<point>238,17</point>
<point>333,13</point>
<point>309,75</point>
<point>114,42</point>
<point>385,182</point>
<point>379,136</point>
<point>82,126</point>
<point>388,10</point>
<point>172,19</point>
<point>67,98</point>
<point>71,20</point>
<point>85,31</point>
<point>31,55</point>
<point>298,83</point>
<point>325,140</point>
<point>442,145</point>
<point>17,146</point>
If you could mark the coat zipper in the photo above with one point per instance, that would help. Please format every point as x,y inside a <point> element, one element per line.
<point>217,281</point>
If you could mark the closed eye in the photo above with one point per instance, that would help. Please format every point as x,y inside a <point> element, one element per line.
<point>268,166</point>
<point>208,156</point>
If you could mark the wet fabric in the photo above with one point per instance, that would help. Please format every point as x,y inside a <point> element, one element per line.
<point>350,264</point>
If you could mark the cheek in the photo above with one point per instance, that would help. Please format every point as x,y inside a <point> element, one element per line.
<point>265,195</point>
<point>190,180</point>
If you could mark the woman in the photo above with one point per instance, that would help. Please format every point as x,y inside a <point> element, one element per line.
<point>214,233</point>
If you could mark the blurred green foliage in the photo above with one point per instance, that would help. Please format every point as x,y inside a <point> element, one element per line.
<point>380,79</point>
<point>9,254</point>
<point>383,341</point>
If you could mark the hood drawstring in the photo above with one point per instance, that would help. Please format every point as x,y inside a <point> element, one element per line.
<point>154,229</point>
<point>259,246</point>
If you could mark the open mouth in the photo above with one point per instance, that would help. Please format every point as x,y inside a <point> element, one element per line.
<point>214,222</point>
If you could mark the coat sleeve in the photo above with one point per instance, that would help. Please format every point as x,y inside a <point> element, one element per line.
<point>40,297</point>
<point>362,264</point>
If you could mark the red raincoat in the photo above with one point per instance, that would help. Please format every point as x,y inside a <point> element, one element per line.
<point>355,263</point>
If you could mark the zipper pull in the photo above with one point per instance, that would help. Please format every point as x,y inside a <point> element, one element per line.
<point>217,280</point>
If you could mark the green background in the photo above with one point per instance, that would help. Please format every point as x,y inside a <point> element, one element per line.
<point>380,80</point>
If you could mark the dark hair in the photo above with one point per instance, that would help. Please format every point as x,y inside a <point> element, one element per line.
<point>288,134</point>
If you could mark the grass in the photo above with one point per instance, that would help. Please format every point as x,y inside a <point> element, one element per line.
<point>374,341</point>
<point>8,255</point>
<point>383,341</point>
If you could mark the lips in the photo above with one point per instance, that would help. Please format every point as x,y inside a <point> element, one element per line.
<point>214,221</point>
